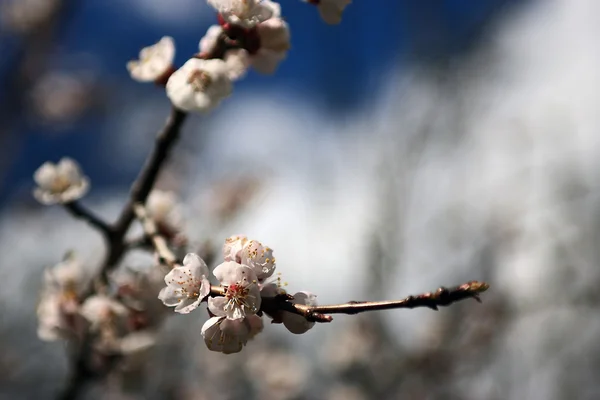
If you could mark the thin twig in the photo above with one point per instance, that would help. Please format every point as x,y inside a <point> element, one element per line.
<point>440,298</point>
<point>160,244</point>
<point>79,211</point>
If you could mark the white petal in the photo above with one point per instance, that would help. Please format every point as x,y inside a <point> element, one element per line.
<point>69,169</point>
<point>295,323</point>
<point>197,265</point>
<point>237,62</point>
<point>154,61</point>
<point>230,272</point>
<point>266,61</point>
<point>233,246</point>
<point>187,305</point>
<point>170,296</point>
<point>254,324</point>
<point>216,340</point>
<point>216,305</point>
<point>45,175</point>
<point>208,42</point>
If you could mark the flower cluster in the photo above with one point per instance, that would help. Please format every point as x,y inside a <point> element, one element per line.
<point>250,34</point>
<point>235,307</point>
<point>119,323</point>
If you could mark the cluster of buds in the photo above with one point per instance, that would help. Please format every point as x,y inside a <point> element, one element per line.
<point>250,34</point>
<point>235,305</point>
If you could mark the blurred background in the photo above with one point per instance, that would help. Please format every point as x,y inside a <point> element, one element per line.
<point>418,144</point>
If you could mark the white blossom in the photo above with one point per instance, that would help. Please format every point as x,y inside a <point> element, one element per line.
<point>60,183</point>
<point>209,40</point>
<point>274,37</point>
<point>199,85</point>
<point>331,10</point>
<point>163,207</point>
<point>101,309</point>
<point>66,275</point>
<point>232,248</point>
<point>230,336</point>
<point>57,315</point>
<point>242,295</point>
<point>246,13</point>
<point>58,306</point>
<point>187,285</point>
<point>259,258</point>
<point>154,62</point>
<point>297,323</point>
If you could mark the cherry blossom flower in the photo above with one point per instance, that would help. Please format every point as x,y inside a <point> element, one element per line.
<point>259,258</point>
<point>230,336</point>
<point>331,10</point>
<point>209,40</point>
<point>242,295</point>
<point>246,13</point>
<point>59,306</point>
<point>297,323</point>
<point>187,285</point>
<point>60,183</point>
<point>100,310</point>
<point>199,85</point>
<point>233,247</point>
<point>163,208</point>
<point>155,61</point>
<point>274,35</point>
<point>272,38</point>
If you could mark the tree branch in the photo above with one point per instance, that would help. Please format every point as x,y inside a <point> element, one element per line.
<point>79,211</point>
<point>442,297</point>
<point>160,244</point>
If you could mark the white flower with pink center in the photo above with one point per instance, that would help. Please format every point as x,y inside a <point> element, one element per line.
<point>242,294</point>
<point>297,323</point>
<point>187,285</point>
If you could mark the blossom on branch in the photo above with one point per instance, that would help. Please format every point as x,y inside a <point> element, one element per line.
<point>60,183</point>
<point>245,13</point>
<point>101,310</point>
<point>263,46</point>
<point>187,285</point>
<point>242,294</point>
<point>297,323</point>
<point>232,248</point>
<point>230,336</point>
<point>155,61</point>
<point>259,258</point>
<point>163,208</point>
<point>59,306</point>
<point>274,35</point>
<point>199,85</point>
<point>331,10</point>
<point>250,253</point>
